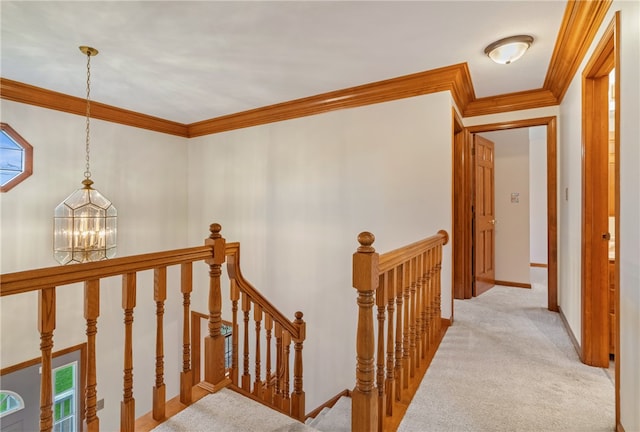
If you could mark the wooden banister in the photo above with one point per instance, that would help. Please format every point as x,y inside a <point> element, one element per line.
<point>404,284</point>
<point>275,389</point>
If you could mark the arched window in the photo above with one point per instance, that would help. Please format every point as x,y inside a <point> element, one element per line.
<point>10,402</point>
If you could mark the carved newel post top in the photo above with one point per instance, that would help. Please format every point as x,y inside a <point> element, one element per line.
<point>298,316</point>
<point>445,235</point>
<point>366,239</point>
<point>215,229</point>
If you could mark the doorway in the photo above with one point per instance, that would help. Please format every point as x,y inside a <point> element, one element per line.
<point>601,201</point>
<point>463,192</point>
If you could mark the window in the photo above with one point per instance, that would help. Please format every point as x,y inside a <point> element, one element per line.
<point>10,402</point>
<point>226,331</point>
<point>16,158</point>
<point>64,398</point>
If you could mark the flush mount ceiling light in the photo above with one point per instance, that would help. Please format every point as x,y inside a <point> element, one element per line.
<point>85,223</point>
<point>509,49</point>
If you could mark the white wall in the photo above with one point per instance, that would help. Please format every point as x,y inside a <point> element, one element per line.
<point>511,176</point>
<point>629,236</point>
<point>144,174</point>
<point>538,194</point>
<point>297,193</point>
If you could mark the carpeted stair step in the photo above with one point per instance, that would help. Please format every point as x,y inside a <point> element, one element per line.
<point>314,421</point>
<point>229,411</point>
<point>335,419</point>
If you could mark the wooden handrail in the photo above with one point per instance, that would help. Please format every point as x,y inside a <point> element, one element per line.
<point>233,270</point>
<point>33,280</point>
<point>403,286</point>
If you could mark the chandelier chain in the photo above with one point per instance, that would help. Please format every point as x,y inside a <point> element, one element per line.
<point>87,173</point>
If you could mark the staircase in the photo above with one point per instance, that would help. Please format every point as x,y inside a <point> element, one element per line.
<point>334,419</point>
<point>229,411</point>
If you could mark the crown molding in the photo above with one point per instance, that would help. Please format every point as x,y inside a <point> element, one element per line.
<point>580,23</point>
<point>577,31</point>
<point>455,78</point>
<point>510,102</point>
<point>31,95</point>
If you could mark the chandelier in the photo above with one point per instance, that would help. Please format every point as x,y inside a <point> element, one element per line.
<point>85,223</point>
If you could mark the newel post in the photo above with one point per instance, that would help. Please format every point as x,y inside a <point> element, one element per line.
<point>214,371</point>
<point>298,396</point>
<point>365,279</point>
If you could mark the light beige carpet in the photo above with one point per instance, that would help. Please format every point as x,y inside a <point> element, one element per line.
<point>507,364</point>
<point>228,411</point>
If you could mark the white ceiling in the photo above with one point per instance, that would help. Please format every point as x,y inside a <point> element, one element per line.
<point>188,61</point>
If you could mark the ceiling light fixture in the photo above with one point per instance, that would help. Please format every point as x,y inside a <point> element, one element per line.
<point>508,50</point>
<point>84,224</point>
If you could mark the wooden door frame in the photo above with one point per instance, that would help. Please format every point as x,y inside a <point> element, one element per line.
<point>552,193</point>
<point>594,350</point>
<point>462,281</point>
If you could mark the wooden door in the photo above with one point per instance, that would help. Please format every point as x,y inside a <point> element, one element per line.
<point>484,210</point>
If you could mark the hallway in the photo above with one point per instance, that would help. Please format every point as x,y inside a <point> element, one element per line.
<point>507,364</point>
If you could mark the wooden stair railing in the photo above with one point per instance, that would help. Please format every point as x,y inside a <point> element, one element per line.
<point>274,389</point>
<point>404,285</point>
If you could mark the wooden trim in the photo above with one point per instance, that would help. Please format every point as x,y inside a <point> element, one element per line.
<point>580,23</point>
<point>82,373</point>
<point>616,52</point>
<point>28,94</point>
<point>510,102</point>
<point>595,149</point>
<point>446,322</point>
<point>538,265</point>
<point>28,157</point>
<point>552,193</point>
<point>10,369</point>
<point>512,284</point>
<point>619,427</point>
<point>572,336</point>
<point>328,404</point>
<point>453,78</point>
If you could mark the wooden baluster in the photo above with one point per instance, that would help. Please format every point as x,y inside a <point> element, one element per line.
<point>435,296</point>
<point>257,317</point>
<point>195,349</point>
<point>91,313</point>
<point>214,369</point>
<point>277,399</point>
<point>186,376</point>
<point>412,322</point>
<point>246,376</point>
<point>428,303</point>
<point>127,406</point>
<point>406,361</point>
<point>46,325</point>
<point>390,382</point>
<point>381,302</point>
<point>159,296</point>
<point>426,327</point>
<point>364,416</point>
<point>298,397</point>
<point>432,296</point>
<point>399,328</point>
<point>286,400</point>
<point>438,281</point>
<point>268,327</point>
<point>419,303</point>
<point>235,296</point>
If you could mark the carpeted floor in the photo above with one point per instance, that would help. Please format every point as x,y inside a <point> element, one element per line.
<point>507,364</point>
